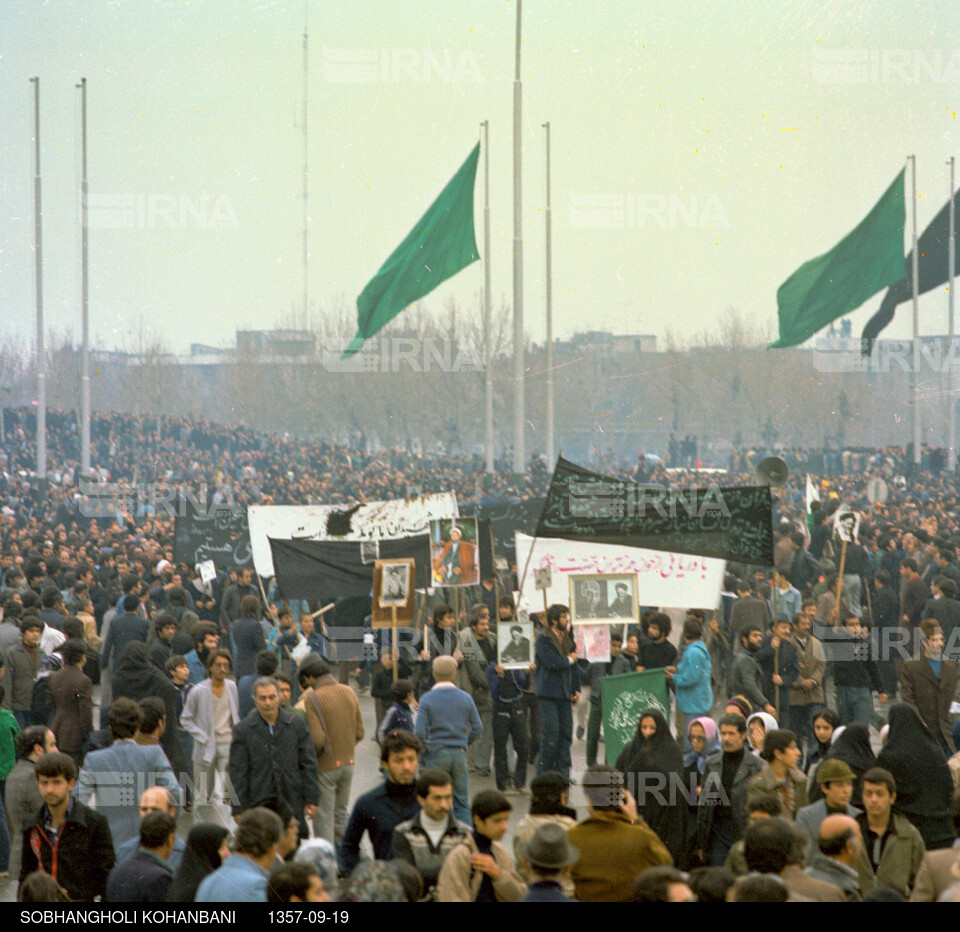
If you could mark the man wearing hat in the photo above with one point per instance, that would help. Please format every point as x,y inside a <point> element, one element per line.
<point>836,782</point>
<point>547,859</point>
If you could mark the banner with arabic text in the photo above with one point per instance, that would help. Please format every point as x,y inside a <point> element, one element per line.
<point>625,698</point>
<point>665,580</point>
<point>219,534</point>
<point>389,520</point>
<point>729,522</point>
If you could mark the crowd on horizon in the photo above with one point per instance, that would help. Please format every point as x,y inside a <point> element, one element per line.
<point>224,703</point>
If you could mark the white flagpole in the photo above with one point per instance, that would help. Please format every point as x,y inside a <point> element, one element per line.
<point>488,355</point>
<point>916,323</point>
<point>551,444</point>
<point>952,416</point>
<point>518,354</point>
<point>41,349</point>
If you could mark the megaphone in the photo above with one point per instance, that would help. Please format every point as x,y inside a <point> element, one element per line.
<point>772,471</point>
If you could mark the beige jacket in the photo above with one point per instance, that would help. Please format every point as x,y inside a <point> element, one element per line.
<point>459,881</point>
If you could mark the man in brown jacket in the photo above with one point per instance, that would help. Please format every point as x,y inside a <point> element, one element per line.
<point>615,844</point>
<point>333,716</point>
<point>929,682</point>
<point>806,693</point>
<point>479,869</point>
<point>71,693</point>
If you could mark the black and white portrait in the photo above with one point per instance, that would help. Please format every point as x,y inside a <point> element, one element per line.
<point>602,598</point>
<point>515,644</point>
<point>396,584</point>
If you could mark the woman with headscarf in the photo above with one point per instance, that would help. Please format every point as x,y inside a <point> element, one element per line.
<point>206,850</point>
<point>825,723</point>
<point>924,784</point>
<point>757,726</point>
<point>652,766</point>
<point>703,739</point>
<point>851,745</point>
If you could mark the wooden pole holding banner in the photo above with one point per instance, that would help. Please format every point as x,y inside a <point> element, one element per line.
<point>776,688</point>
<point>393,649</point>
<point>843,560</point>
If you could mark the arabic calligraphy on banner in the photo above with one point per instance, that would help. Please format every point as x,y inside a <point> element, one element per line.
<point>221,536</point>
<point>730,523</point>
<point>667,580</point>
<point>388,520</point>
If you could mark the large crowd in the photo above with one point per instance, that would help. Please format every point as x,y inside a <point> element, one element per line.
<point>167,738</point>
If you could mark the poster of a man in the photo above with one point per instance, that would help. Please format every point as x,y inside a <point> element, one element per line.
<point>396,583</point>
<point>601,598</point>
<point>453,545</point>
<point>515,644</point>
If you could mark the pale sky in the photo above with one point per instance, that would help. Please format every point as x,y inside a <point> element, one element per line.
<point>701,151</point>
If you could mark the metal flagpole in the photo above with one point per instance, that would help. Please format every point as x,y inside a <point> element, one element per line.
<point>952,417</point>
<point>518,354</point>
<point>41,352</point>
<point>306,253</point>
<point>488,356</point>
<point>84,291</point>
<point>914,276</point>
<point>549,270</point>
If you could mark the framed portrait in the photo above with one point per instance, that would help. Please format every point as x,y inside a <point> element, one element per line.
<point>515,644</point>
<point>603,598</point>
<point>453,552</point>
<point>393,587</point>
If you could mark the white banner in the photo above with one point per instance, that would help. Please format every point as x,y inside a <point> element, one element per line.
<point>373,521</point>
<point>675,580</point>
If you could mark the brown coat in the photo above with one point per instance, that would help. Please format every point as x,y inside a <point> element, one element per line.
<point>333,716</point>
<point>929,696</point>
<point>813,664</point>
<point>766,783</point>
<point>612,853</point>
<point>803,885</point>
<point>459,882</point>
<point>71,693</point>
<point>938,870</point>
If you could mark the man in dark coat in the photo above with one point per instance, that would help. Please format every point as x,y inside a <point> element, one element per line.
<point>944,608</point>
<point>146,877</point>
<point>247,636</point>
<point>83,855</point>
<point>234,595</point>
<point>130,626</point>
<point>272,755</point>
<point>929,682</point>
<point>71,693</point>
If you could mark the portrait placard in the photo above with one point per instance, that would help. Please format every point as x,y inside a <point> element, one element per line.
<point>602,599</point>
<point>393,587</point>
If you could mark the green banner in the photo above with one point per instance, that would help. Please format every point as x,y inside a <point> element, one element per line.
<point>624,698</point>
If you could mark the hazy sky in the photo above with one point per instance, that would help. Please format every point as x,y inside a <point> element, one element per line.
<point>701,151</point>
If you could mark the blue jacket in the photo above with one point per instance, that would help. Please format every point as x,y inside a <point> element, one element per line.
<point>508,689</point>
<point>247,637</point>
<point>545,891</point>
<point>116,777</point>
<point>129,848</point>
<point>142,878</point>
<point>556,677</point>
<point>692,680</point>
<point>237,880</point>
<point>126,628</point>
<point>198,672</point>
<point>447,718</point>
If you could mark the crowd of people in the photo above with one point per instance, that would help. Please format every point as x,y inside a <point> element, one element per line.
<point>139,699</point>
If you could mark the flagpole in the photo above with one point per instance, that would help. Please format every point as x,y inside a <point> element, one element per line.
<point>549,271</point>
<point>916,323</point>
<point>488,360</point>
<point>952,417</point>
<point>84,292</point>
<point>41,354</point>
<point>306,241</point>
<point>518,361</point>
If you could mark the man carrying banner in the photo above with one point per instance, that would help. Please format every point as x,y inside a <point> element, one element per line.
<point>557,689</point>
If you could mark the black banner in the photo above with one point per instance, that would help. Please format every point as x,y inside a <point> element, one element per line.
<point>503,519</point>
<point>729,523</point>
<point>328,570</point>
<point>219,534</point>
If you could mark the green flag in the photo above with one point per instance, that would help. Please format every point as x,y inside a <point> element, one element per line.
<point>624,698</point>
<point>441,244</point>
<point>839,281</point>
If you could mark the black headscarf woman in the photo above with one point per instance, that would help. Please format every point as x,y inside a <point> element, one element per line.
<point>852,746</point>
<point>202,857</point>
<point>652,765</point>
<point>924,784</point>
